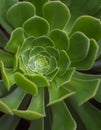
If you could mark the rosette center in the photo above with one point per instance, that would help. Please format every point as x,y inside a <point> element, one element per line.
<point>39,64</point>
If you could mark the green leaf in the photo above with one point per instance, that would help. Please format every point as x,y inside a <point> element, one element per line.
<point>16,39</point>
<point>89,60</point>
<point>84,7</point>
<point>90,115</point>
<point>60,39</point>
<point>39,80</point>
<point>6,58</point>
<point>88,25</point>
<point>37,125</point>
<point>19,13</point>
<point>11,101</point>
<point>65,78</point>
<point>38,5</point>
<point>3,39</point>
<point>52,75</point>
<point>57,94</point>
<point>83,76</point>
<point>53,65</point>
<point>53,52</point>
<point>56,13</point>
<point>10,121</point>
<point>7,76</point>
<point>43,41</point>
<point>79,47</point>
<point>3,89</point>
<point>25,84</point>
<point>28,43</point>
<point>35,109</point>
<point>64,62</point>
<point>3,9</point>
<point>85,89</point>
<point>62,119</point>
<point>40,25</point>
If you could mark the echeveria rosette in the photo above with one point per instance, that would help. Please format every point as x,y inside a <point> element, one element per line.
<point>42,55</point>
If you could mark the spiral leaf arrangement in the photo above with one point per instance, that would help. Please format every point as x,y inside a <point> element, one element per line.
<point>42,63</point>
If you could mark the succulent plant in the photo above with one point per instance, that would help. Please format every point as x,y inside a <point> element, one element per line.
<point>44,63</point>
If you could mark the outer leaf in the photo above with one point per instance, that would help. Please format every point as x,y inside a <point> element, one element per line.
<point>25,84</point>
<point>11,122</point>
<point>6,58</point>
<point>89,59</point>
<point>57,94</point>
<point>85,89</point>
<point>90,77</point>
<point>3,9</point>
<point>19,13</point>
<point>79,46</point>
<point>37,125</point>
<point>35,109</point>
<point>40,25</point>
<point>17,38</point>
<point>7,76</point>
<point>38,5</point>
<point>55,10</point>
<point>89,114</point>
<point>88,25</point>
<point>3,39</point>
<point>83,8</point>
<point>39,80</point>
<point>60,39</point>
<point>3,89</point>
<point>62,119</point>
<point>11,101</point>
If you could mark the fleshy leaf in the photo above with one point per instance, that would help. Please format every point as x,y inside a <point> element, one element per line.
<point>11,101</point>
<point>83,8</point>
<point>53,65</point>
<point>35,109</point>
<point>90,77</point>
<point>3,9</point>
<point>11,122</point>
<point>79,46</point>
<point>38,5</point>
<point>60,39</point>
<point>3,39</point>
<point>19,13</point>
<point>62,119</point>
<point>57,94</point>
<point>52,75</point>
<point>43,41</point>
<point>7,76</point>
<point>28,43</point>
<point>65,78</point>
<point>17,38</point>
<point>88,61</point>
<point>56,13</point>
<point>88,25</point>
<point>39,80</point>
<point>88,114</point>
<point>40,25</point>
<point>6,58</point>
<point>85,89</point>
<point>25,84</point>
<point>37,125</point>
<point>3,89</point>
<point>64,62</point>
<point>53,52</point>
